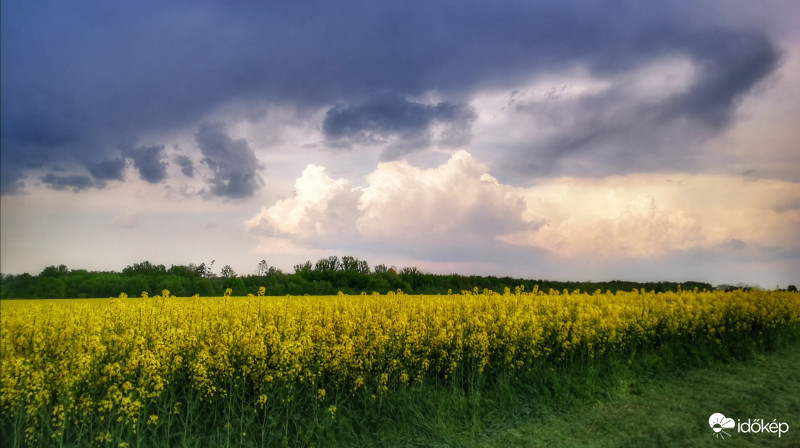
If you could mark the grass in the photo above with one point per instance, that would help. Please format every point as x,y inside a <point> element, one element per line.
<point>673,410</point>
<point>659,401</point>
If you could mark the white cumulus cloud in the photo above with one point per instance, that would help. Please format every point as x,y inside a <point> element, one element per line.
<point>458,212</point>
<point>401,206</point>
<point>321,206</point>
<point>640,230</point>
<point>649,215</point>
<point>457,200</point>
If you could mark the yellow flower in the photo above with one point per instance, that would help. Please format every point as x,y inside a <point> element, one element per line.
<point>126,356</point>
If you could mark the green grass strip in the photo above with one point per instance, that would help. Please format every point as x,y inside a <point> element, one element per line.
<point>673,411</point>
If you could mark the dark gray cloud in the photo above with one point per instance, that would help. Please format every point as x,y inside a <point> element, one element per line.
<point>405,125</point>
<point>111,169</point>
<point>232,163</point>
<point>75,181</point>
<point>730,63</point>
<point>82,81</point>
<point>186,164</point>
<point>149,161</point>
<point>620,130</point>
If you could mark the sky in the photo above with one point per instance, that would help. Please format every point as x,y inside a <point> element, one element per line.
<point>583,140</point>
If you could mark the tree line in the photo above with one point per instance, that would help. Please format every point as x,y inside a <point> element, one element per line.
<point>327,276</point>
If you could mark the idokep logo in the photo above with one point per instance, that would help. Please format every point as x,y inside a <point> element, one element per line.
<point>719,423</point>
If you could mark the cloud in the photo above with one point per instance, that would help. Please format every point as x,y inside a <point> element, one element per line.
<point>232,162</point>
<point>320,207</point>
<point>186,164</point>
<point>401,125</point>
<point>12,182</point>
<point>641,230</point>
<point>74,181</point>
<point>458,201</point>
<point>726,72</point>
<point>111,169</point>
<point>458,212</point>
<point>83,82</point>
<point>148,160</point>
<point>440,213</point>
<point>645,216</point>
<point>645,117</point>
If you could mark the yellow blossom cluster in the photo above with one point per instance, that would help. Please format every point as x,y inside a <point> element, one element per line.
<point>81,361</point>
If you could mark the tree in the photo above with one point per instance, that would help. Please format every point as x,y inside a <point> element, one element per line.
<point>50,288</point>
<point>227,272</point>
<point>412,275</point>
<point>262,268</point>
<point>328,264</point>
<point>791,288</point>
<point>236,285</point>
<point>349,263</point>
<point>145,268</point>
<point>203,270</point>
<point>203,286</point>
<point>352,264</point>
<point>409,271</point>
<point>53,271</point>
<point>196,270</point>
<point>331,274</point>
<point>305,267</point>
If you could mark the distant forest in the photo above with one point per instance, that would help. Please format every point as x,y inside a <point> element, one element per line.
<point>327,276</point>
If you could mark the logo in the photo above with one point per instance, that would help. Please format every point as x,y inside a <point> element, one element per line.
<point>719,423</point>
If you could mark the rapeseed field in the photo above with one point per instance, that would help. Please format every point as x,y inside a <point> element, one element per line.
<point>253,371</point>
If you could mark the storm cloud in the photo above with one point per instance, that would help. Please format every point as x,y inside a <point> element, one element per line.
<point>232,163</point>
<point>398,124</point>
<point>76,182</point>
<point>83,81</point>
<point>186,164</point>
<point>148,160</point>
<point>111,169</point>
<point>624,129</point>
